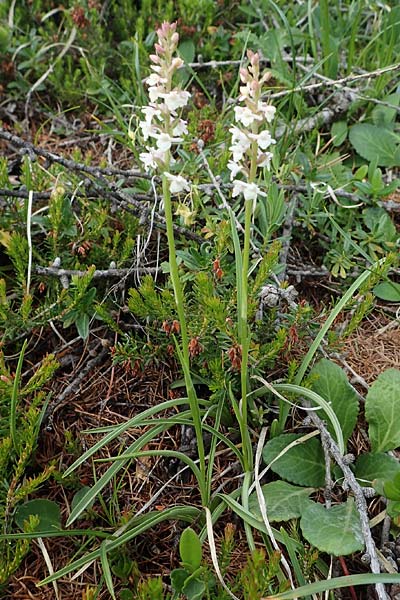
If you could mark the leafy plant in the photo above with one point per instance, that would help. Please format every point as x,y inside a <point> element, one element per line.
<point>22,408</point>
<point>192,580</point>
<point>293,457</point>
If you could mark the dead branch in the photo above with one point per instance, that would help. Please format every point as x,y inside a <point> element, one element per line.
<point>98,274</point>
<point>350,482</point>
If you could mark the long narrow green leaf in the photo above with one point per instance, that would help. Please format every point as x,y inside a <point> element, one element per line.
<point>247,516</point>
<point>145,522</point>
<point>91,494</point>
<point>106,569</point>
<point>120,429</point>
<point>316,399</point>
<point>14,397</point>
<point>335,584</point>
<point>58,533</point>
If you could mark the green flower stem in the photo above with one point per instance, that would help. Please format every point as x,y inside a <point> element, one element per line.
<point>244,330</point>
<point>245,335</point>
<point>245,338</point>
<point>178,293</point>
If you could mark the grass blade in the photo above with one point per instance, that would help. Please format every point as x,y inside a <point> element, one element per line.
<point>336,583</point>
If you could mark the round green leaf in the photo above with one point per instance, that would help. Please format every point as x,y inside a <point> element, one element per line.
<point>382,410</point>
<point>375,143</point>
<point>283,500</point>
<point>303,464</point>
<point>332,384</point>
<point>339,133</point>
<point>371,466</point>
<point>190,549</point>
<point>336,531</point>
<point>388,290</point>
<point>48,512</point>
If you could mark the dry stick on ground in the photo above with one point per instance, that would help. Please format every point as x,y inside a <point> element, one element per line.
<point>337,82</point>
<point>359,496</point>
<point>100,184</point>
<point>337,107</point>
<point>359,95</point>
<point>66,162</point>
<point>98,274</point>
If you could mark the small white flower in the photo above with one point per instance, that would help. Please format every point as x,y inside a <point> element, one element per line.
<point>152,158</point>
<point>250,191</point>
<point>237,134</point>
<point>148,161</point>
<point>244,115</point>
<point>240,143</point>
<point>148,130</point>
<point>180,128</point>
<point>234,168</point>
<point>177,183</point>
<point>267,110</point>
<point>265,159</point>
<point>264,139</point>
<point>150,112</point>
<point>175,99</point>
<point>165,141</point>
<point>155,93</point>
<point>154,79</point>
<point>245,91</point>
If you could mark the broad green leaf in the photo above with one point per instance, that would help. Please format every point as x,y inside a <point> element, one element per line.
<point>48,512</point>
<point>339,133</point>
<point>332,384</point>
<point>194,588</point>
<point>392,488</point>
<point>178,578</point>
<point>190,549</point>
<point>336,531</point>
<point>303,464</point>
<point>382,411</point>
<point>384,115</point>
<point>393,510</point>
<point>283,500</point>
<point>374,143</point>
<point>187,50</point>
<point>371,466</point>
<point>388,290</point>
<point>82,325</point>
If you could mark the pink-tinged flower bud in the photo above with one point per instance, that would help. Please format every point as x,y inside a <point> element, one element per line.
<point>155,59</point>
<point>176,63</point>
<point>266,77</point>
<point>244,75</point>
<point>255,60</point>
<point>175,38</point>
<point>255,86</point>
<point>159,48</point>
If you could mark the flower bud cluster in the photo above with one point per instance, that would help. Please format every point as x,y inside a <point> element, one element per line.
<point>161,126</point>
<point>251,138</point>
